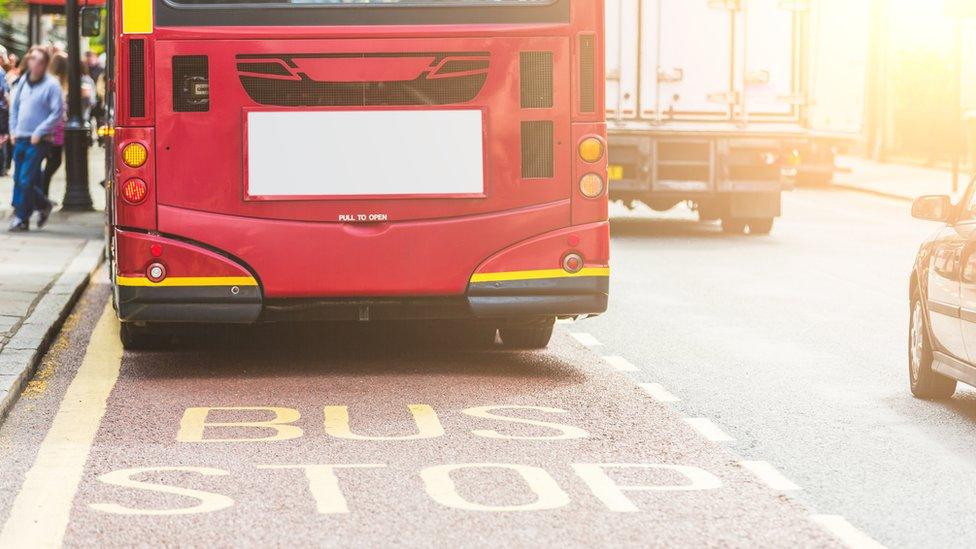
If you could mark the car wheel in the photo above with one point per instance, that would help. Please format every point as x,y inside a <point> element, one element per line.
<point>732,225</point>
<point>760,226</point>
<point>925,383</point>
<point>531,337</point>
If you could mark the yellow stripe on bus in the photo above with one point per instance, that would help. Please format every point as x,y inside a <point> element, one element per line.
<point>538,274</point>
<point>137,16</point>
<point>188,281</point>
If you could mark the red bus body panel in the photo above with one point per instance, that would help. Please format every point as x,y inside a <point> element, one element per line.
<point>302,247</point>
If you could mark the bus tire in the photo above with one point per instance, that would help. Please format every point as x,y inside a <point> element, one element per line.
<point>760,226</point>
<point>733,225</point>
<point>142,338</point>
<point>534,337</point>
<point>471,335</point>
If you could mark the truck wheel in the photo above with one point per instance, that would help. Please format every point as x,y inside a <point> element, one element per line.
<point>143,338</point>
<point>760,226</point>
<point>924,382</point>
<point>530,337</point>
<point>733,225</point>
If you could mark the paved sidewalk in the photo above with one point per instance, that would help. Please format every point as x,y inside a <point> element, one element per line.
<point>42,273</point>
<point>901,181</point>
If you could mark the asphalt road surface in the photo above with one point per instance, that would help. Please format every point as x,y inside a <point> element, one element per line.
<point>741,392</point>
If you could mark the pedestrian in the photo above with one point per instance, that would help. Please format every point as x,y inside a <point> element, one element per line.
<point>35,109</point>
<point>94,65</point>
<point>17,67</point>
<point>55,153</point>
<point>4,113</point>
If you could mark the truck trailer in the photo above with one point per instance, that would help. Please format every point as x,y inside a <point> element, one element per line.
<point>724,104</point>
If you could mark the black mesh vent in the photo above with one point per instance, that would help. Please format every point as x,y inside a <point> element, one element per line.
<point>264,68</point>
<point>137,78</point>
<point>463,66</point>
<point>535,77</point>
<point>306,92</point>
<point>450,82</point>
<point>587,84</point>
<point>537,149</point>
<point>191,83</point>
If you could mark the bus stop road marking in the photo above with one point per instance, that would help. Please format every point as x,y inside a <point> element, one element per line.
<point>40,511</point>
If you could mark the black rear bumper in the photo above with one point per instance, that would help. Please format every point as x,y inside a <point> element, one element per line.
<point>571,296</point>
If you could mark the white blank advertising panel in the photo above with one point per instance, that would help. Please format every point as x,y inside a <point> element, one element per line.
<point>381,152</point>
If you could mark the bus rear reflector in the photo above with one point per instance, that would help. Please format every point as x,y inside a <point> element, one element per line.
<point>573,263</point>
<point>134,191</point>
<point>156,272</point>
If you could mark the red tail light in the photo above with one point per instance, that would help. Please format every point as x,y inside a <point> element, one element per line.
<point>134,191</point>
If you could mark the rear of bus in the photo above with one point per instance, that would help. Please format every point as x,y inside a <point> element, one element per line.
<point>359,161</point>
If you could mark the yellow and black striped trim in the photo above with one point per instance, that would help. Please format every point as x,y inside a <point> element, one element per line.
<point>184,281</point>
<point>538,274</point>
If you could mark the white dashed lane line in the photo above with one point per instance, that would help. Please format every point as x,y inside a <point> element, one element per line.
<point>836,525</point>
<point>658,392</point>
<point>586,339</point>
<point>620,363</point>
<point>768,474</point>
<point>846,532</point>
<point>707,429</point>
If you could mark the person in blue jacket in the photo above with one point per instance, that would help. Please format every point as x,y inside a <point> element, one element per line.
<point>35,110</point>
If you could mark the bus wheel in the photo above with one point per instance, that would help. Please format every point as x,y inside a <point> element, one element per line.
<point>527,337</point>
<point>760,226</point>
<point>142,338</point>
<point>471,335</point>
<point>733,225</point>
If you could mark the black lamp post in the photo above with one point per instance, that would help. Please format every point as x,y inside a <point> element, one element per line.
<point>76,131</point>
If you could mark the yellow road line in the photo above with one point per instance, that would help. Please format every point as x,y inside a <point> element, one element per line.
<point>538,274</point>
<point>40,512</point>
<point>188,281</point>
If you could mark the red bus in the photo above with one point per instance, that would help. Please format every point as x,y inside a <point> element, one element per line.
<point>370,160</point>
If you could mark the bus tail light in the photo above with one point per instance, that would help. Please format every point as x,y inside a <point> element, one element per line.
<point>591,185</point>
<point>591,149</point>
<point>134,191</point>
<point>134,155</point>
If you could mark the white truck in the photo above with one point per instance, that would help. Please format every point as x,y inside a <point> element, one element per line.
<point>726,103</point>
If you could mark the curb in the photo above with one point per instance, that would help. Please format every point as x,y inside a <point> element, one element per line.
<point>872,191</point>
<point>21,355</point>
